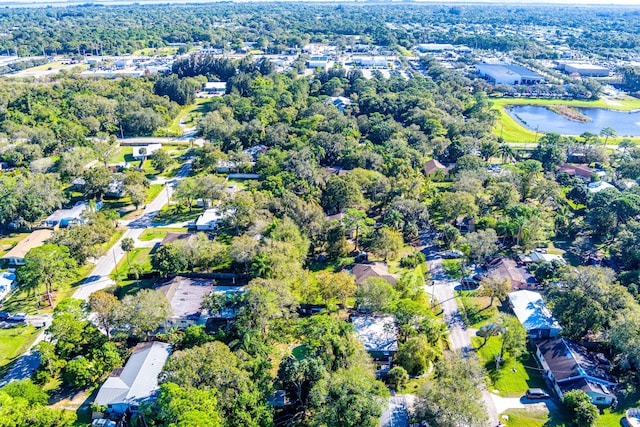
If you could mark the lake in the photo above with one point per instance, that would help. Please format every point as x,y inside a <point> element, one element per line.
<point>536,117</point>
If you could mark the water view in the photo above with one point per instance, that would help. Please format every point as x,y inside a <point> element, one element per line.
<point>540,118</point>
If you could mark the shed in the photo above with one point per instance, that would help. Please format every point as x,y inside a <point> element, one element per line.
<point>533,314</point>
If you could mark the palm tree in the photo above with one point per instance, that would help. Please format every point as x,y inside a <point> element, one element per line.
<point>507,153</point>
<point>127,246</point>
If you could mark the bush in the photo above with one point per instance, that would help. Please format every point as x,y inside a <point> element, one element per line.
<point>398,376</point>
<point>78,372</point>
<point>579,403</point>
<point>412,260</point>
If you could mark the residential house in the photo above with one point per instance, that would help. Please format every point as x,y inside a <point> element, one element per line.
<point>380,270</point>
<point>379,335</point>
<point>68,217</point>
<point>144,151</point>
<point>116,188</point>
<point>215,88</point>
<point>15,257</point>
<point>569,366</point>
<point>211,219</point>
<point>596,187</point>
<point>341,102</point>
<point>506,268</point>
<point>581,171</point>
<point>185,296</point>
<point>433,167</point>
<point>136,383</point>
<point>533,314</point>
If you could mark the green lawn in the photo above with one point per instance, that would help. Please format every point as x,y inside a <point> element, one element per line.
<point>124,154</point>
<point>154,190</point>
<point>168,215</point>
<point>476,309</point>
<point>506,381</point>
<point>159,233</point>
<point>139,256</point>
<point>14,342</point>
<point>535,418</point>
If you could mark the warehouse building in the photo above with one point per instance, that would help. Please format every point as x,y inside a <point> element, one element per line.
<point>508,74</point>
<point>583,69</point>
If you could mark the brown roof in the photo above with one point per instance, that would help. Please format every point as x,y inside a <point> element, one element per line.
<point>33,240</point>
<point>433,165</point>
<point>579,170</point>
<point>506,268</point>
<point>567,359</point>
<point>363,272</point>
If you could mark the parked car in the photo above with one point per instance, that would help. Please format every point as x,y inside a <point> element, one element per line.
<point>452,254</point>
<point>537,393</point>
<point>18,317</point>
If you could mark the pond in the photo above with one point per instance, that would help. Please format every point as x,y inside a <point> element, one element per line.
<point>539,118</point>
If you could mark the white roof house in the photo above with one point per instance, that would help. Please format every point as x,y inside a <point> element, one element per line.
<point>210,219</point>
<point>537,256</point>
<point>598,186</point>
<point>377,333</point>
<point>144,151</point>
<point>217,88</point>
<point>6,283</point>
<point>137,382</point>
<point>533,314</point>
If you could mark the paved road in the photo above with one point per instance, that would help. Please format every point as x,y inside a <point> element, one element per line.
<point>444,291</point>
<point>99,279</point>
<point>396,414</point>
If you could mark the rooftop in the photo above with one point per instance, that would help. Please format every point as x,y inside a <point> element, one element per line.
<point>531,311</point>
<point>185,295</point>
<point>567,359</point>
<point>375,269</point>
<point>377,333</point>
<point>33,240</point>
<point>138,380</point>
<point>585,385</point>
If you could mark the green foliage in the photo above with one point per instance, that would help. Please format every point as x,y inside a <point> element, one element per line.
<point>579,403</point>
<point>415,355</point>
<point>398,376</point>
<point>184,407</point>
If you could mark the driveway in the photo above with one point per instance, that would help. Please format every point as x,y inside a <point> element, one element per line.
<point>396,414</point>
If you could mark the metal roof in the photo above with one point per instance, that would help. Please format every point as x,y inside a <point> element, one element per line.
<point>531,311</point>
<point>138,380</point>
<point>377,333</point>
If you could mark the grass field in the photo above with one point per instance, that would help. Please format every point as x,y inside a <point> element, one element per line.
<point>505,380</point>
<point>168,215</point>
<point>124,154</point>
<point>535,418</point>
<point>159,233</point>
<point>513,132</point>
<point>14,342</point>
<point>190,114</point>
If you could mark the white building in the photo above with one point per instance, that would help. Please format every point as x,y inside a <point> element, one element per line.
<point>533,314</point>
<point>128,387</point>
<point>584,69</point>
<point>144,151</point>
<point>509,74</point>
<point>215,88</point>
<point>211,219</point>
<point>598,186</point>
<point>317,62</point>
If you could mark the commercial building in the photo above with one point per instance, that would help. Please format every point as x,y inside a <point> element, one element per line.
<point>509,74</point>
<point>533,314</point>
<point>583,69</point>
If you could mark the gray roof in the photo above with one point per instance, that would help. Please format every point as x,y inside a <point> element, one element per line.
<point>185,295</point>
<point>377,333</point>
<point>138,380</point>
<point>569,360</point>
<point>531,311</point>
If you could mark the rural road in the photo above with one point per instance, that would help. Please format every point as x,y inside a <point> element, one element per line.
<point>443,290</point>
<point>99,277</point>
